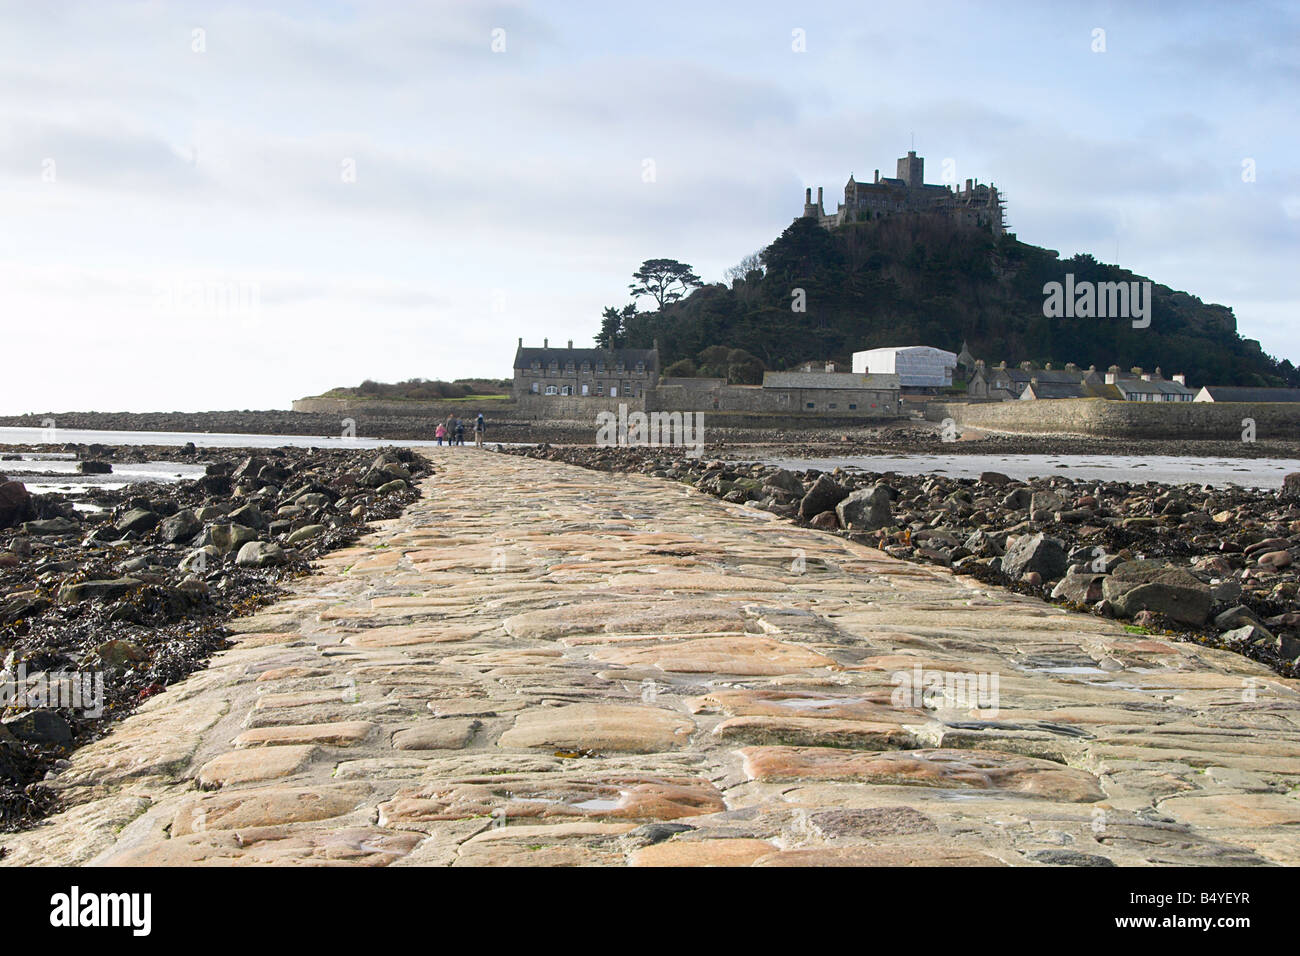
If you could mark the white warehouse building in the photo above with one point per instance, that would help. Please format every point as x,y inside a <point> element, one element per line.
<point>915,365</point>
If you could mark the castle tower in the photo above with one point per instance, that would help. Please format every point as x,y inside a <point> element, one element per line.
<point>911,170</point>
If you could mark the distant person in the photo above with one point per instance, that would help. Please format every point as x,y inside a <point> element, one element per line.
<point>460,432</point>
<point>441,433</point>
<point>480,427</point>
<point>451,429</point>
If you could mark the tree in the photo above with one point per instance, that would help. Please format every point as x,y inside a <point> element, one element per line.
<point>741,270</point>
<point>664,280</point>
<point>613,326</point>
<point>683,368</point>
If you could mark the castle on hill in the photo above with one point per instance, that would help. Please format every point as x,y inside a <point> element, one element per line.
<point>979,204</point>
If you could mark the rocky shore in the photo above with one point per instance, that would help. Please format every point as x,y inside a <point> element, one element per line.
<point>1217,566</point>
<point>811,441</point>
<point>108,596</point>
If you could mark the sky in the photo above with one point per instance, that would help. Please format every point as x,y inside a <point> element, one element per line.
<point>233,205</point>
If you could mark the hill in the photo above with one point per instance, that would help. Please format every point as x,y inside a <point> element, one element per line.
<point>912,280</point>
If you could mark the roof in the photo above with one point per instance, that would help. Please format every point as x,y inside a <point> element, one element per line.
<point>1158,386</point>
<point>828,380</point>
<point>910,348</point>
<point>1233,393</point>
<point>1058,376</point>
<point>524,357</point>
<point>1058,389</point>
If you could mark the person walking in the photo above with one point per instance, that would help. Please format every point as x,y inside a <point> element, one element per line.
<point>441,432</point>
<point>460,432</point>
<point>480,427</point>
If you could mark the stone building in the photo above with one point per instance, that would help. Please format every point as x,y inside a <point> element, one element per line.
<point>978,205</point>
<point>584,373</point>
<point>1003,383</point>
<point>1140,386</point>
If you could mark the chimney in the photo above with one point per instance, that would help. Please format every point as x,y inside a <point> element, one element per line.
<point>521,341</point>
<point>877,176</point>
<point>1026,366</point>
<point>1159,374</point>
<point>1180,378</point>
<point>1047,366</point>
<point>968,187</point>
<point>546,343</point>
<point>807,196</point>
<point>1002,364</point>
<point>819,195</point>
<point>570,344</point>
<point>1111,377</point>
<point>830,366</point>
<point>1071,367</point>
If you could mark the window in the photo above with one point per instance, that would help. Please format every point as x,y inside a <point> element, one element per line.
<point>550,389</point>
<point>600,367</point>
<point>536,366</point>
<point>600,388</point>
<point>640,368</point>
<point>832,405</point>
<point>536,387</point>
<point>619,368</point>
<point>568,368</point>
<point>567,390</point>
<point>586,368</point>
<point>853,407</point>
<point>812,404</point>
<point>555,366</point>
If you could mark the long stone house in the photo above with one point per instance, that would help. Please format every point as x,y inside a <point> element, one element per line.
<point>584,373</point>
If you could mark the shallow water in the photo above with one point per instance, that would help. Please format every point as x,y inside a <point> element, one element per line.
<point>1220,472</point>
<point>200,439</point>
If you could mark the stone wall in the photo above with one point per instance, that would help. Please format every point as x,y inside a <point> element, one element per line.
<point>360,408</point>
<point>1096,416</point>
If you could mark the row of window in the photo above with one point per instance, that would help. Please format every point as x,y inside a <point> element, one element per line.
<point>570,368</point>
<point>584,389</point>
<point>1154,397</point>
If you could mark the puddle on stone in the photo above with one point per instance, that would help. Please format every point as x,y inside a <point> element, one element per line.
<point>597,803</point>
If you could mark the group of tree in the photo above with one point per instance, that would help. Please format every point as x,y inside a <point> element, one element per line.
<point>818,294</point>
<point>421,388</point>
<point>737,366</point>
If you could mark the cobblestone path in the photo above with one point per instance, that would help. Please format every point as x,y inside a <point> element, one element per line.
<point>539,664</point>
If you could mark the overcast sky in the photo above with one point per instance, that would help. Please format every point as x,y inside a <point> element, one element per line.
<point>231,205</point>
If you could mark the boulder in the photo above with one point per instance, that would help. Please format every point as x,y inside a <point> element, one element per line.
<point>41,726</point>
<point>1079,588</point>
<point>93,467</point>
<point>305,533</point>
<point>15,504</point>
<point>51,526</point>
<point>866,510</point>
<point>824,495</point>
<point>1235,617</point>
<point>1290,490</point>
<point>180,527</point>
<point>101,590</point>
<point>231,537</point>
<point>249,515</point>
<point>397,484</point>
<point>136,521</point>
<point>261,554</point>
<point>826,521</point>
<point>994,478</point>
<point>1150,586</point>
<point>1035,552</point>
<point>784,480</point>
<point>1018,499</point>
